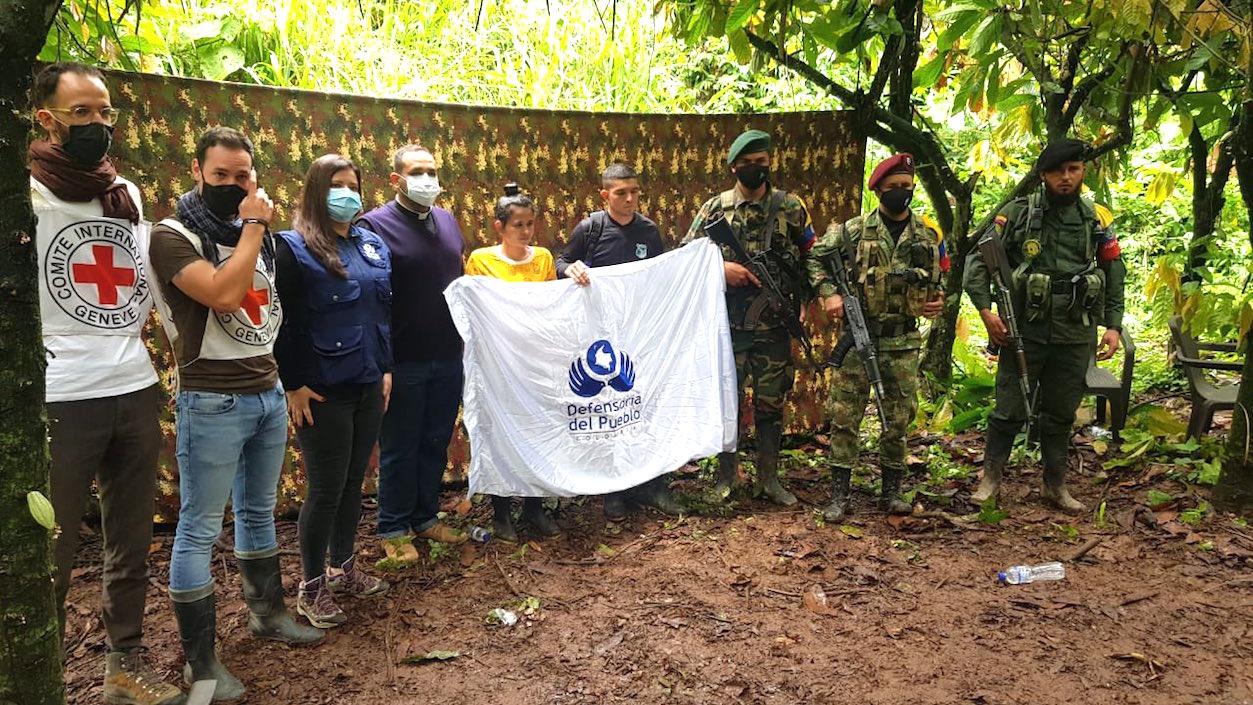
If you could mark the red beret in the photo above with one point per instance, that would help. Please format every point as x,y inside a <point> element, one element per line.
<point>902,163</point>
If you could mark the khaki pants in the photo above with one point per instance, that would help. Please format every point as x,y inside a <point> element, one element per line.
<point>116,441</point>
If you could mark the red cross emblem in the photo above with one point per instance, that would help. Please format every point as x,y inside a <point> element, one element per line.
<point>252,303</point>
<point>104,275</point>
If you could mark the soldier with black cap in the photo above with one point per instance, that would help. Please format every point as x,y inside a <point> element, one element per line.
<point>895,258</point>
<point>769,220</point>
<point>1067,279</point>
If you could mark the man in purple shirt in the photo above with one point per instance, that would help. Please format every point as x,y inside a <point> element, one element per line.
<point>426,247</point>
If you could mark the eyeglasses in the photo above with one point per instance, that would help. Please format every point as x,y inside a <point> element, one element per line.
<point>81,114</point>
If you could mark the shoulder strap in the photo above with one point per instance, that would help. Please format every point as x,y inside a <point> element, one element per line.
<point>727,199</point>
<point>772,214</point>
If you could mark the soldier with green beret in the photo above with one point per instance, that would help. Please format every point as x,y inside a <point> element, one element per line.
<point>894,259</point>
<point>1068,279</point>
<point>769,220</point>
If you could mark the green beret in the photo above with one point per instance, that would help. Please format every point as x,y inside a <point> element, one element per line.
<point>1059,152</point>
<point>749,141</point>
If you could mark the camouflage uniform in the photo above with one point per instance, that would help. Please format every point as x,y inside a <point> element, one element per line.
<point>1067,261</point>
<point>891,304</point>
<point>763,349</point>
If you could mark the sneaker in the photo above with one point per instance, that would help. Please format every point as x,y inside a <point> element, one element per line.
<point>316,604</point>
<point>354,582</point>
<point>442,533</point>
<point>401,550</point>
<point>128,680</point>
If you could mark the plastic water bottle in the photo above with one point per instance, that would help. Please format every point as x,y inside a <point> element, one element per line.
<point>480,535</point>
<point>1023,574</point>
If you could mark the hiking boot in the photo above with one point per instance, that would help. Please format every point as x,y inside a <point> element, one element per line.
<point>534,514</point>
<point>768,437</point>
<point>354,582</point>
<point>615,506</point>
<point>655,493</point>
<point>268,617</point>
<point>443,533</point>
<point>838,509</point>
<point>197,628</point>
<point>401,550</point>
<point>502,520</point>
<point>315,602</point>
<point>728,468</point>
<point>128,680</point>
<point>890,499</point>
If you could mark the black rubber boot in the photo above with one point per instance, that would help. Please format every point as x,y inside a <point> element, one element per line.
<point>890,500</point>
<point>728,467</point>
<point>263,591</point>
<point>996,452</point>
<point>615,506</point>
<point>1054,450</point>
<point>769,436</point>
<point>534,514</point>
<point>656,493</point>
<point>197,628</point>
<point>502,520</point>
<point>840,480</point>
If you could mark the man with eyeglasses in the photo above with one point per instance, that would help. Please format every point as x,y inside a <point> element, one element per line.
<point>102,394</point>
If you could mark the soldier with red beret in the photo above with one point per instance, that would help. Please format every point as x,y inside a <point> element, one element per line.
<point>895,259</point>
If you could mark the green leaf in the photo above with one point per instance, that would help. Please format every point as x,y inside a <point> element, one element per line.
<point>988,32</point>
<point>926,75</point>
<point>989,514</point>
<point>740,14</point>
<point>41,509</point>
<point>218,62</point>
<point>852,531</point>
<point>738,41</point>
<point>205,29</point>
<point>429,657</point>
<point>966,419</point>
<point>1158,499</point>
<point>961,24</point>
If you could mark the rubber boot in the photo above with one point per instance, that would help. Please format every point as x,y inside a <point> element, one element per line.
<point>534,514</point>
<point>768,437</point>
<point>656,493</point>
<point>197,628</point>
<point>263,591</point>
<point>995,455</point>
<point>890,500</point>
<point>838,509</point>
<point>502,520</point>
<point>1053,452</point>
<point>728,467</point>
<point>615,506</point>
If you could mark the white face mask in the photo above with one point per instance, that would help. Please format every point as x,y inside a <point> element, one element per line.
<point>422,189</point>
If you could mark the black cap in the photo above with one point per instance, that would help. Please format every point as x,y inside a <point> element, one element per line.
<point>1059,152</point>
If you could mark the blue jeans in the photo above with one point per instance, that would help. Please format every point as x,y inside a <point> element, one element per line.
<point>230,447</point>
<point>413,446</point>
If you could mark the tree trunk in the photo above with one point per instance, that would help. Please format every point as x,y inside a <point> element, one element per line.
<point>1234,491</point>
<point>30,648</point>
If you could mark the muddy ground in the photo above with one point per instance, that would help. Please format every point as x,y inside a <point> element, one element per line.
<point>718,609</point>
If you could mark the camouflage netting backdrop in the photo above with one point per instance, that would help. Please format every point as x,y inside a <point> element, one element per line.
<point>556,156</point>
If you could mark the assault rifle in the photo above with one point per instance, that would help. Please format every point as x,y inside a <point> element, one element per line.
<point>992,251</point>
<point>856,334</point>
<point>719,230</point>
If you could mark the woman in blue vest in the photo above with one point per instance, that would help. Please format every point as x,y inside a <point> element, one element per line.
<point>334,358</point>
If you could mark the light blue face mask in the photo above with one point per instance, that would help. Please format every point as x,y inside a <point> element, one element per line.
<point>343,203</point>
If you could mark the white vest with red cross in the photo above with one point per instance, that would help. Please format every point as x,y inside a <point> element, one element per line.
<point>94,297</point>
<point>248,331</point>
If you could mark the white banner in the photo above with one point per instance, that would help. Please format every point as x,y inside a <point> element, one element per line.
<point>575,390</point>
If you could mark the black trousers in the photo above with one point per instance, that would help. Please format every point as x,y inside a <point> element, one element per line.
<point>337,449</point>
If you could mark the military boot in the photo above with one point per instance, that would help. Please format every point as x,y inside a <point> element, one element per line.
<point>768,438</point>
<point>728,467</point>
<point>128,680</point>
<point>838,509</point>
<point>263,591</point>
<point>890,500</point>
<point>656,493</point>
<point>995,456</point>
<point>1053,452</point>
<point>197,628</point>
<point>502,520</point>
<point>534,514</point>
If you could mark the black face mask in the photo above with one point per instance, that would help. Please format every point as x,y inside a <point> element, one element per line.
<point>896,201</point>
<point>223,201</point>
<point>87,144</point>
<point>752,175</point>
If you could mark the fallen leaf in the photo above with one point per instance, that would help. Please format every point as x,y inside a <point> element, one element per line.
<point>610,644</point>
<point>815,600</point>
<point>896,521</point>
<point>430,656</point>
<point>851,531</point>
<point>468,554</point>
